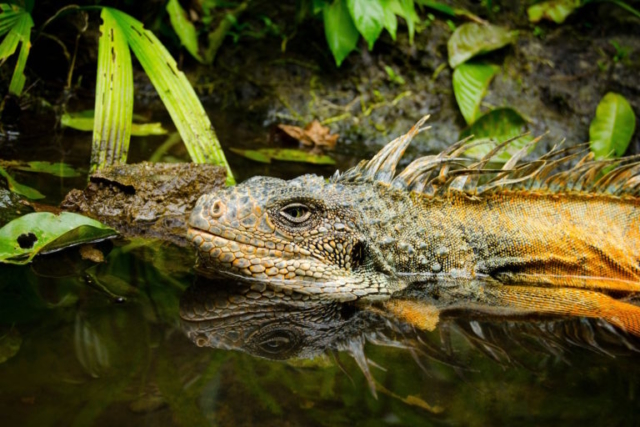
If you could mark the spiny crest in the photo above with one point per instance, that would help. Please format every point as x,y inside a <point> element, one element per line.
<point>448,171</point>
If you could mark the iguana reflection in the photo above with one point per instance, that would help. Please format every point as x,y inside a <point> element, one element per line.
<point>279,324</point>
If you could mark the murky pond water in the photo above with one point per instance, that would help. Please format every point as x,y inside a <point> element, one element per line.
<point>139,339</point>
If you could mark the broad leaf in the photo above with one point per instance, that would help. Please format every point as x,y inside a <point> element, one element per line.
<point>493,128</point>
<point>369,18</point>
<point>613,126</point>
<point>23,190</point>
<point>473,39</point>
<point>176,93</point>
<point>265,155</point>
<point>390,20</point>
<point>339,29</point>
<point>114,96</point>
<point>85,123</point>
<point>25,237</point>
<point>470,83</point>
<point>184,28</point>
<point>554,10</point>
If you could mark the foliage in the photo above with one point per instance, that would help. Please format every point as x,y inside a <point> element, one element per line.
<point>558,10</point>
<point>17,22</point>
<point>20,189</point>
<point>84,120</point>
<point>612,127</point>
<point>25,237</point>
<point>472,39</point>
<point>470,83</point>
<point>265,155</point>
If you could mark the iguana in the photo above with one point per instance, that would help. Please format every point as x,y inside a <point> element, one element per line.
<point>530,237</point>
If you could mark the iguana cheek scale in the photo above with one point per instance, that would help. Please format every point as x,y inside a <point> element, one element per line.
<point>527,237</point>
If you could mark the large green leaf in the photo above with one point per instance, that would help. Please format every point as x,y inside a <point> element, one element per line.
<point>554,10</point>
<point>390,20</point>
<point>339,29</point>
<point>473,39</point>
<point>613,126</point>
<point>176,92</point>
<point>369,18</point>
<point>25,237</point>
<point>265,155</point>
<point>470,83</point>
<point>21,189</point>
<point>114,96</point>
<point>18,23</point>
<point>493,128</point>
<point>184,28</point>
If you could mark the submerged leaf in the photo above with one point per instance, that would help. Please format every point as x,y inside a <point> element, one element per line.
<point>495,127</point>
<point>368,17</point>
<point>184,28</point>
<point>10,343</point>
<point>20,189</point>
<point>553,10</point>
<point>265,155</point>
<point>470,83</point>
<point>612,127</point>
<point>339,29</point>
<point>25,237</point>
<point>473,39</point>
<point>80,121</point>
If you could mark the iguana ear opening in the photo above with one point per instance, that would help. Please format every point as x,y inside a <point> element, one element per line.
<point>358,254</point>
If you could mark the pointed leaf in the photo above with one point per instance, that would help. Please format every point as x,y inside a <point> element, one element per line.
<point>20,23</point>
<point>613,126</point>
<point>25,237</point>
<point>495,127</point>
<point>184,28</point>
<point>470,83</point>
<point>390,20</point>
<point>473,39</point>
<point>114,96</point>
<point>21,189</point>
<point>339,29</point>
<point>369,18</point>
<point>176,93</point>
<point>554,10</point>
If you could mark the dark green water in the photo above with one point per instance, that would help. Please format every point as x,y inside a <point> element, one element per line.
<point>103,344</point>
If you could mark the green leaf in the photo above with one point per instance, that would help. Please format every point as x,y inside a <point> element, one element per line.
<point>21,189</point>
<point>184,28</point>
<point>613,126</point>
<point>114,96</point>
<point>410,16</point>
<point>495,127</point>
<point>265,155</point>
<point>339,29</point>
<point>10,343</point>
<point>369,18</point>
<point>470,83</point>
<point>62,170</point>
<point>18,23</point>
<point>473,39</point>
<point>554,10</point>
<point>390,20</point>
<point>25,237</point>
<point>79,121</point>
<point>176,93</point>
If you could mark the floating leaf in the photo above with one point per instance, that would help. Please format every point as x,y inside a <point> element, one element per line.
<point>25,237</point>
<point>339,29</point>
<point>495,127</point>
<point>368,17</point>
<point>83,123</point>
<point>470,83</point>
<point>473,39</point>
<point>10,343</point>
<point>184,28</point>
<point>21,189</point>
<point>612,127</point>
<point>265,155</point>
<point>554,10</point>
<point>62,170</point>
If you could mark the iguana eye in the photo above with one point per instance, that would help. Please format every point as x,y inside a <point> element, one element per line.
<point>296,213</point>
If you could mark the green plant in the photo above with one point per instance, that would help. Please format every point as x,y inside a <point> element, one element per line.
<point>558,10</point>
<point>612,127</point>
<point>17,22</point>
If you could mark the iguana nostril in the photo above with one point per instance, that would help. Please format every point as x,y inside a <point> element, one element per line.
<point>217,209</point>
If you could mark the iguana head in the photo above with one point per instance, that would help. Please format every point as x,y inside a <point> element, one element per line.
<point>304,234</point>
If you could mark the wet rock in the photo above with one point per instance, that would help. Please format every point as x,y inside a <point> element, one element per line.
<point>146,199</point>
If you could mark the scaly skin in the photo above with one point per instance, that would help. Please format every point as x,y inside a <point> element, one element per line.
<point>366,235</point>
